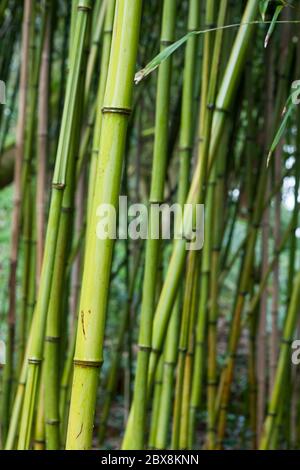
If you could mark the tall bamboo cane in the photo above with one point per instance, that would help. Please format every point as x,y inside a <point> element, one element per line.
<point>20,141</point>
<point>97,265</point>
<point>176,264</point>
<point>36,348</point>
<point>137,439</point>
<point>185,150</point>
<point>284,355</point>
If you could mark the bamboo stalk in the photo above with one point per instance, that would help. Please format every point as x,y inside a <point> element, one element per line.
<point>176,264</point>
<point>136,439</point>
<point>185,151</point>
<point>36,349</point>
<point>16,215</point>
<point>282,364</point>
<point>92,312</point>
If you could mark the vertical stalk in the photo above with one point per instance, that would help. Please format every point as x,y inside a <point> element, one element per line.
<point>185,152</point>
<point>284,357</point>
<point>36,347</point>
<point>136,439</point>
<point>98,256</point>
<point>16,215</point>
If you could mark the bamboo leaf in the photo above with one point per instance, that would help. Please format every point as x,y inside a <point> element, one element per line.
<point>291,102</point>
<point>287,112</point>
<point>263,6</point>
<point>272,25</point>
<point>162,56</point>
<point>165,54</point>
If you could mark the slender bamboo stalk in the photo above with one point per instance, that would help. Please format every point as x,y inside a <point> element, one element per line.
<point>112,375</point>
<point>97,265</point>
<point>36,349</point>
<point>282,364</point>
<point>244,285</point>
<point>185,151</point>
<point>136,439</point>
<point>107,36</point>
<point>176,264</point>
<point>16,215</point>
<point>43,143</point>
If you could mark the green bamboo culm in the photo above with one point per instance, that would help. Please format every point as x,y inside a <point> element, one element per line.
<point>136,440</point>
<point>6,389</point>
<point>54,318</point>
<point>108,25</point>
<point>35,354</point>
<point>177,261</point>
<point>185,152</point>
<point>98,256</point>
<point>224,100</point>
<point>284,357</point>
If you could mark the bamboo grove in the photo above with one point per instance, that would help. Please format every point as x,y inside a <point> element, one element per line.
<point>140,343</point>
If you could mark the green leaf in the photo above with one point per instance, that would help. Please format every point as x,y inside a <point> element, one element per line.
<point>163,55</point>
<point>272,25</point>
<point>287,113</point>
<point>263,6</point>
<point>290,104</point>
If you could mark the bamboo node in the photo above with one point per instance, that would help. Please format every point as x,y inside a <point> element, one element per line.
<point>185,148</point>
<point>67,210</point>
<point>52,339</point>
<point>210,25</point>
<point>169,363</point>
<point>211,383</point>
<point>59,186</point>
<point>52,422</point>
<point>155,201</point>
<point>144,348</point>
<point>222,110</point>
<point>243,293</point>
<point>286,341</point>
<point>34,360</point>
<point>156,350</point>
<point>116,110</point>
<point>82,363</point>
<point>84,8</point>
<point>166,42</point>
